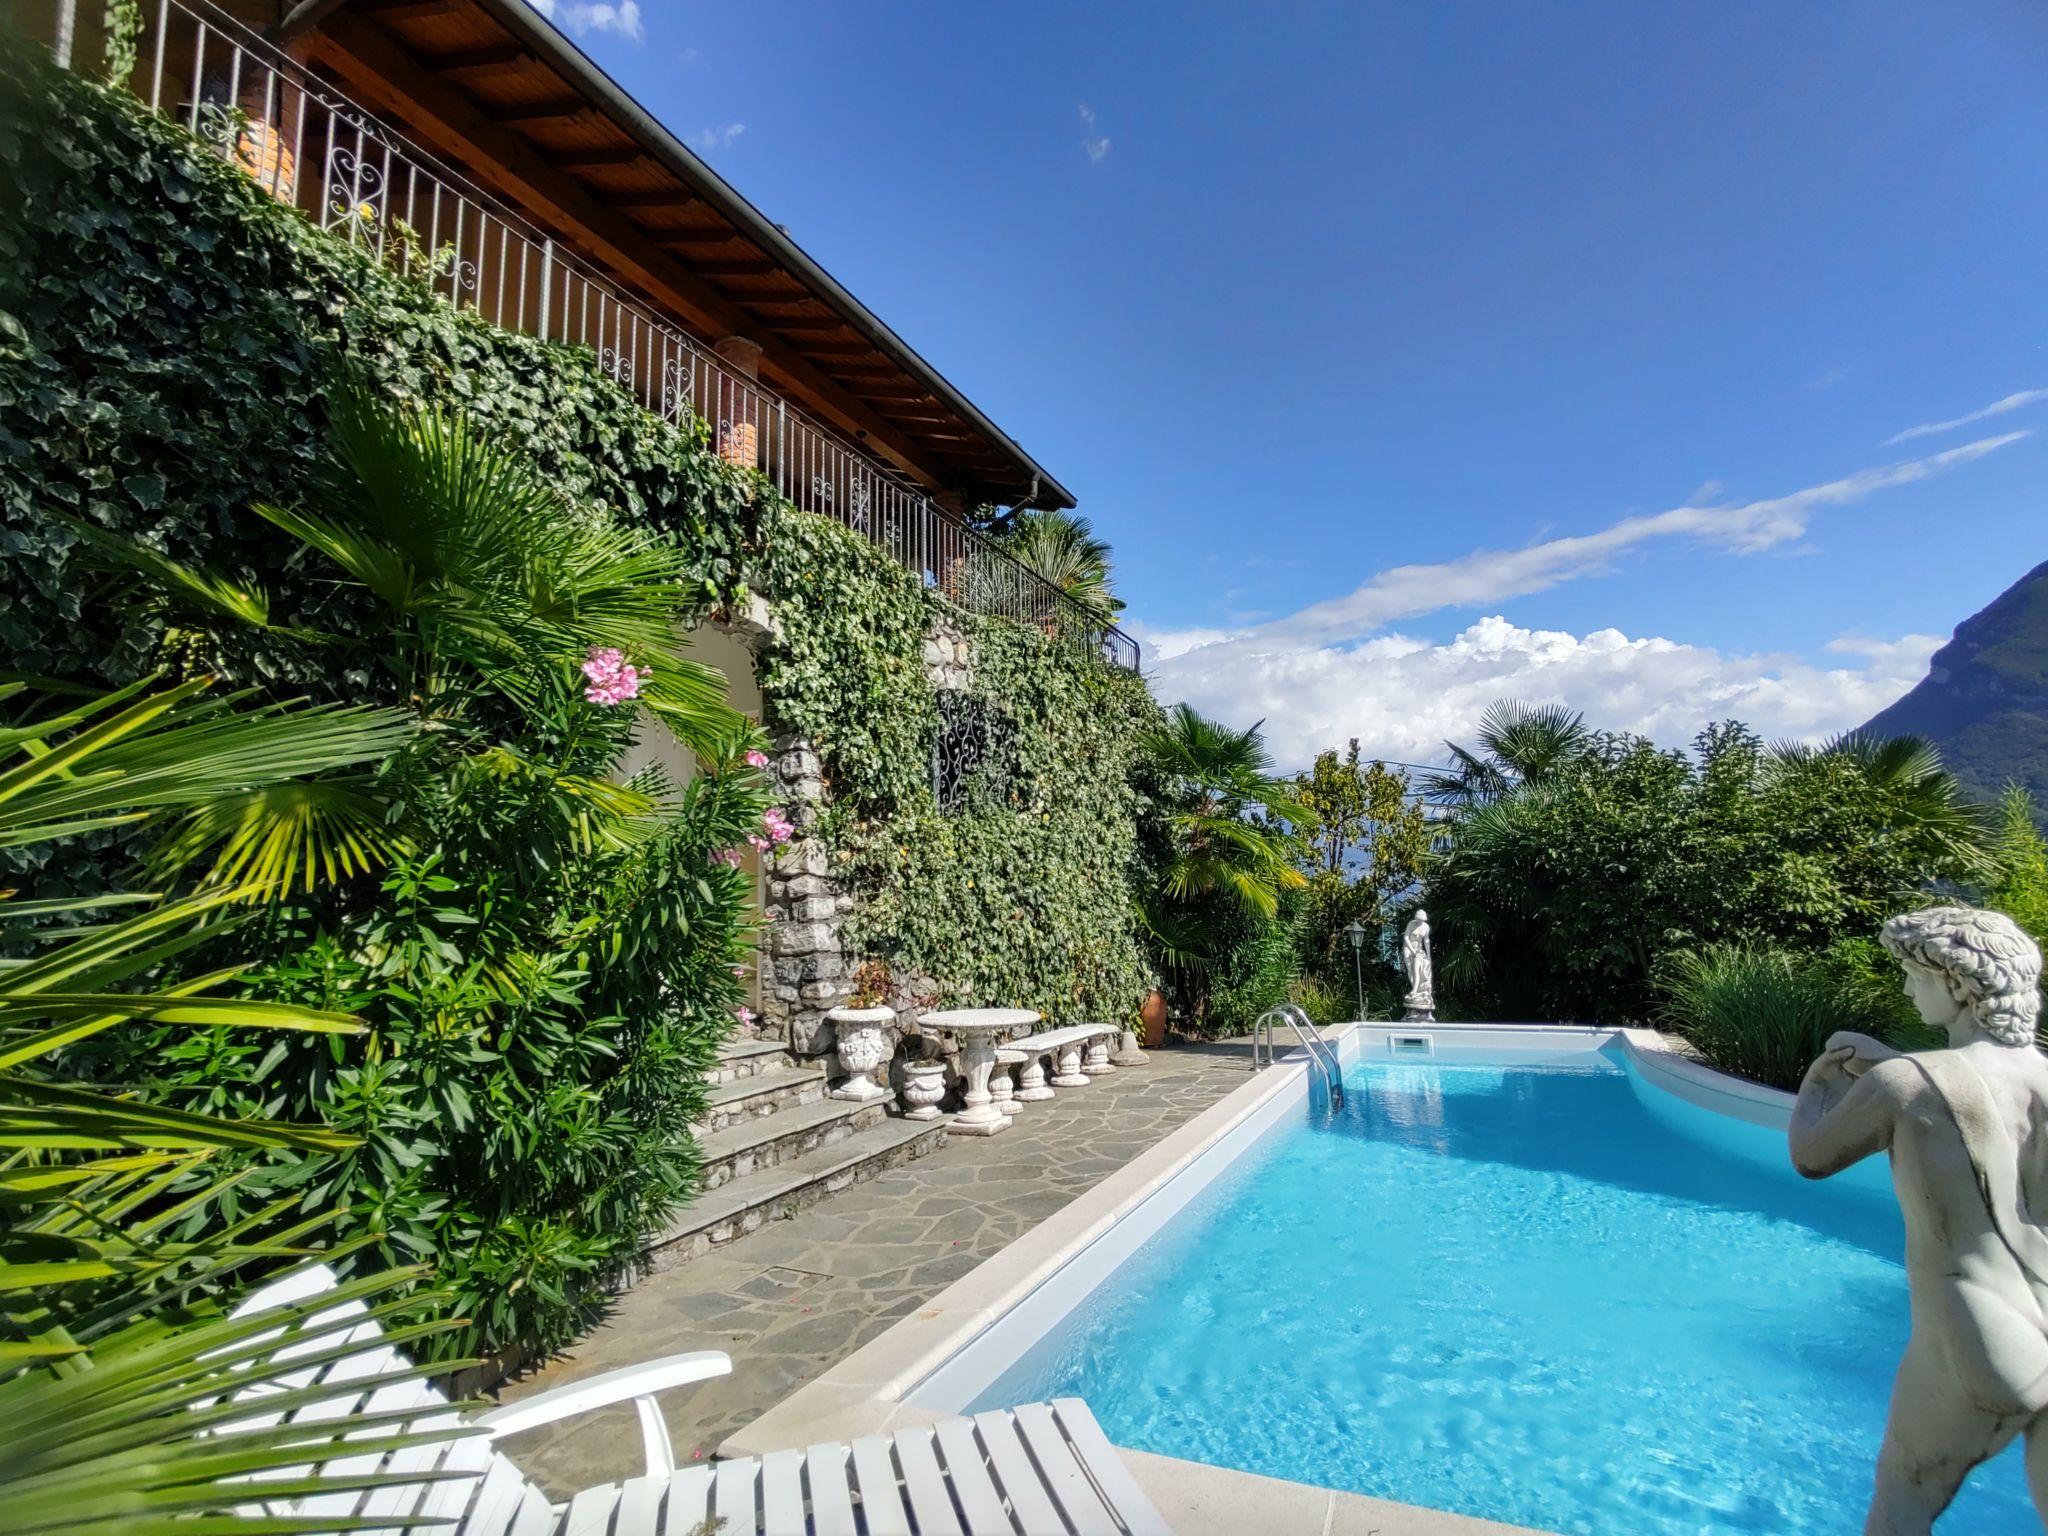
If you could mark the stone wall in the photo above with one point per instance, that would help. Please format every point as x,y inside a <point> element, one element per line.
<point>807,967</point>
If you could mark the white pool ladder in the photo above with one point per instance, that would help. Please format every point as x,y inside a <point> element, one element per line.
<point>1320,1054</point>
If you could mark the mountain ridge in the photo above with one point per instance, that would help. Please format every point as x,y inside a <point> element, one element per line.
<point>1984,701</point>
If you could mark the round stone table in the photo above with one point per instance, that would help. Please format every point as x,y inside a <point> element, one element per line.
<point>976,1030</point>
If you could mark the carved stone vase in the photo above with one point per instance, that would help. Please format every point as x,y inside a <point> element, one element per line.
<point>863,1035</point>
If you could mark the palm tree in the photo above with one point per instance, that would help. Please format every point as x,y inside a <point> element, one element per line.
<point>1228,853</point>
<point>1062,551</point>
<point>1518,744</point>
<point>121,1391</point>
<point>1954,834</point>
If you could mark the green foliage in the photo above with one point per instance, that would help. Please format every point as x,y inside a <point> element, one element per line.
<point>547,962</point>
<point>1063,551</point>
<point>1766,1014</point>
<point>1558,897</point>
<point>2020,889</point>
<point>1256,969</point>
<point>118,1390</point>
<point>1364,842</point>
<point>169,337</point>
<point>548,967</point>
<point>1021,896</point>
<point>1226,857</point>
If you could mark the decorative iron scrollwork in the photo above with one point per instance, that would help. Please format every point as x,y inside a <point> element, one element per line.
<point>972,747</point>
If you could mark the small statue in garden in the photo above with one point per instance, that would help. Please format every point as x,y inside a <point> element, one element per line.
<point>1421,999</point>
<point>1967,1132</point>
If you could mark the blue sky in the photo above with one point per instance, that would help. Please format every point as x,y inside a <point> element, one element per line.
<point>1297,297</point>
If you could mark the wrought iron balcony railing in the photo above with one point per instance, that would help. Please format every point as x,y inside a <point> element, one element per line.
<point>315,149</point>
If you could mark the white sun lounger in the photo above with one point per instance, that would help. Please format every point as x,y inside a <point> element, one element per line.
<point>1044,1469</point>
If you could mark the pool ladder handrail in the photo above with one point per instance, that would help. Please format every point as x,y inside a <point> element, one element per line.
<point>1320,1053</point>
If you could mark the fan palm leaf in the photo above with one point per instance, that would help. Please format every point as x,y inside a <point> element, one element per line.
<point>125,1404</point>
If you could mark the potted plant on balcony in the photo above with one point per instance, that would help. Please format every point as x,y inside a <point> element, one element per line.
<point>861,1026</point>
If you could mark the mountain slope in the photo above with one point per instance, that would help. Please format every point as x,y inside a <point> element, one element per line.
<point>1984,701</point>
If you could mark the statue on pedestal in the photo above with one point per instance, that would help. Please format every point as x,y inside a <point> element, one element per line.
<point>1967,1132</point>
<point>1420,1004</point>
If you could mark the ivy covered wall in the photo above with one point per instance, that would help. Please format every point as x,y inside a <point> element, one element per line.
<point>1018,895</point>
<point>168,335</point>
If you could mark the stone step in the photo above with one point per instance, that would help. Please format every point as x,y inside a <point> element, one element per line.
<point>767,1140</point>
<point>748,1058</point>
<point>763,1093</point>
<point>738,1207</point>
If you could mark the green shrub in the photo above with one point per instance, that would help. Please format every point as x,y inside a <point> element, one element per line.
<point>1766,1014</point>
<point>2020,890</point>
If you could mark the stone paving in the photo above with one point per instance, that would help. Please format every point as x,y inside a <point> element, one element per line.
<point>800,1295</point>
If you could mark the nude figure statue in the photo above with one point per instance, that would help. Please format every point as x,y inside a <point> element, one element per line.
<point>1421,1001</point>
<point>1967,1132</point>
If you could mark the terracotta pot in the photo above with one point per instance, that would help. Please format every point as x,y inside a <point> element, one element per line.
<point>1152,1014</point>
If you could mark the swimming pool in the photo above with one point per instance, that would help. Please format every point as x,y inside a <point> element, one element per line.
<point>1547,1294</point>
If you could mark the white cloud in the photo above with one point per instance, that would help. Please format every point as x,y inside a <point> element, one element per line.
<point>716,138</point>
<point>1404,697</point>
<point>1491,575</point>
<point>1093,145</point>
<point>620,18</point>
<point>2011,402</point>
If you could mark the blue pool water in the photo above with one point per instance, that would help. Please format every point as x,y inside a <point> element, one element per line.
<point>1521,1294</point>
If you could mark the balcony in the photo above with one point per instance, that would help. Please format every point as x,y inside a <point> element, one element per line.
<point>350,171</point>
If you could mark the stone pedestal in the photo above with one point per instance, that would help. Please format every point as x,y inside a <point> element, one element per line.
<point>1097,1063</point>
<point>1128,1052</point>
<point>1002,1088</point>
<point>976,1029</point>
<point>1070,1074</point>
<point>1031,1084</point>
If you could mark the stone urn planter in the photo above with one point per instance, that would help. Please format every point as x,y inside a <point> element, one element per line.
<point>924,1085</point>
<point>863,1036</point>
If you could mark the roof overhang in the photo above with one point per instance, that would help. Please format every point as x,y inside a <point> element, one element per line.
<point>493,86</point>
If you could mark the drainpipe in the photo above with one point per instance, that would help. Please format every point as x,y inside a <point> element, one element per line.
<point>67,28</point>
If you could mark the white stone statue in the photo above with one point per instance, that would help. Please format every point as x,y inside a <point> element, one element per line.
<point>1421,1000</point>
<point>1967,1132</point>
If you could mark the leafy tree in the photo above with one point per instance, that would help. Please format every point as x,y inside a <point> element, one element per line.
<point>1559,895</point>
<point>1364,841</point>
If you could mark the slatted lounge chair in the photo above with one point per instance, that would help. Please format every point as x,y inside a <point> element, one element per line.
<point>1044,1469</point>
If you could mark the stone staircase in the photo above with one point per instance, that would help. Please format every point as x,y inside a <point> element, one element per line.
<point>772,1142</point>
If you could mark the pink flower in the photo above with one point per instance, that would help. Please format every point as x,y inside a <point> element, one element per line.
<point>777,825</point>
<point>729,857</point>
<point>612,681</point>
<point>756,759</point>
<point>759,842</point>
<point>744,1014</point>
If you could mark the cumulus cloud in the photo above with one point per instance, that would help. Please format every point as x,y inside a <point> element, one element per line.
<point>1404,697</point>
<point>720,137</point>
<point>1093,144</point>
<point>1492,575</point>
<point>2011,402</point>
<point>620,18</point>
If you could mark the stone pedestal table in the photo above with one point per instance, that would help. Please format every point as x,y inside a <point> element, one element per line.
<point>977,1030</point>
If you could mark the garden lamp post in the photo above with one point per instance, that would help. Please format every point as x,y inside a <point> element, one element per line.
<point>1356,934</point>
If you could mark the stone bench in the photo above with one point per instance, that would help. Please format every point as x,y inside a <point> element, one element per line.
<point>1066,1046</point>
